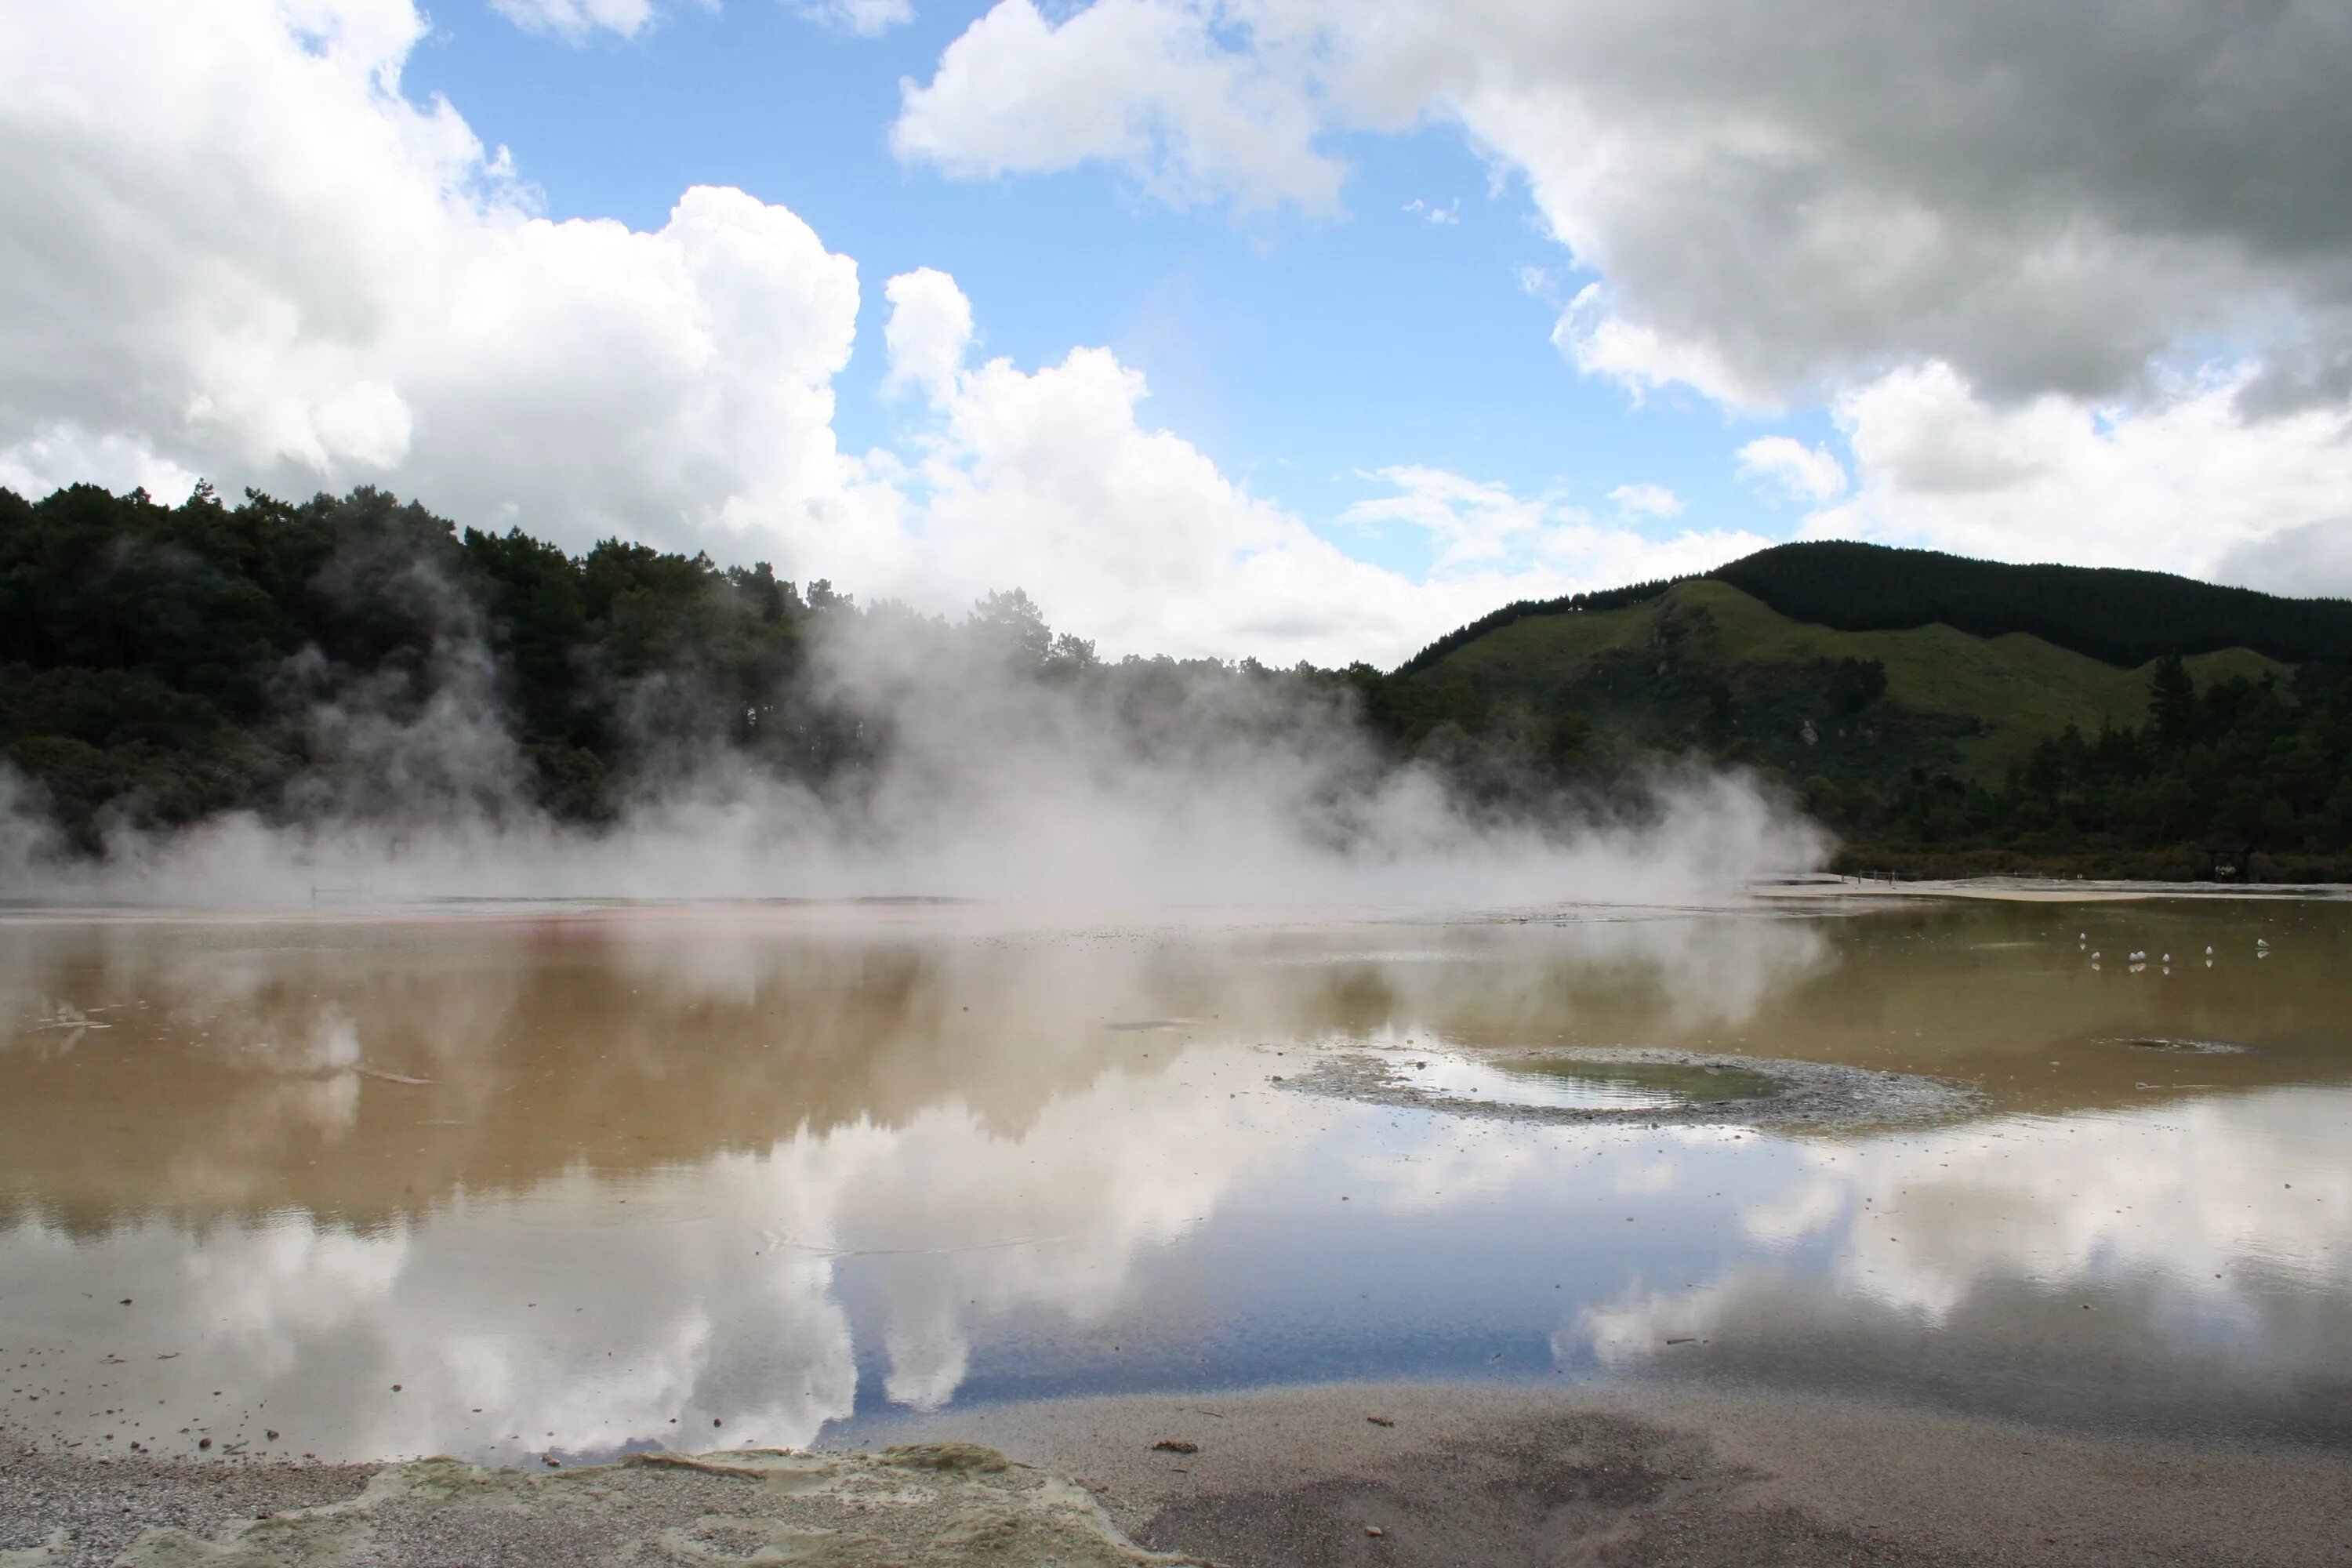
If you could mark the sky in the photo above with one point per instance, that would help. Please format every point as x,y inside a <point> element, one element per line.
<point>1292,329</point>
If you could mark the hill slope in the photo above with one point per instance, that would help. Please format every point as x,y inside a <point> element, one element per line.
<point>1704,661</point>
<point>1944,716</point>
<point>2119,617</point>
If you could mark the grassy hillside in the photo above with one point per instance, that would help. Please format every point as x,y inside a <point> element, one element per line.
<point>1715,658</point>
<point>2118,617</point>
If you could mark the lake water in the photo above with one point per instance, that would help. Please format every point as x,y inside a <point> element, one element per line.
<point>509,1181</point>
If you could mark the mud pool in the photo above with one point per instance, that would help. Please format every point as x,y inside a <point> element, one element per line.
<point>510,1181</point>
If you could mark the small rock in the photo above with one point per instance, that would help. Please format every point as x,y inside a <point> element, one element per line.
<point>716,1422</point>
<point>1175,1445</point>
<point>395,1388</point>
<point>204,1442</point>
<point>1374,1530</point>
<point>126,1300</point>
<point>1380,1420</point>
<point>271,1433</point>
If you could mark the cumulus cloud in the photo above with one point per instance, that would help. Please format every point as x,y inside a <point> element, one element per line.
<point>2043,206</point>
<point>243,252</point>
<point>575,20</point>
<point>929,331</point>
<point>2039,226</point>
<point>866,18</point>
<point>1142,84</point>
<point>1791,468</point>
<point>2189,482</point>
<point>2315,558</point>
<point>1474,521</point>
<point>1646,501</point>
<point>1050,478</point>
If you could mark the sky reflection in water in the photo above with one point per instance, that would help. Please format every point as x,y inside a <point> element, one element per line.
<point>584,1180</point>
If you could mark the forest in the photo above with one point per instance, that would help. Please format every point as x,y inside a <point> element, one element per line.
<point>162,664</point>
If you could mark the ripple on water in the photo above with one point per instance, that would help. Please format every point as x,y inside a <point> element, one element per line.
<point>1637,1084</point>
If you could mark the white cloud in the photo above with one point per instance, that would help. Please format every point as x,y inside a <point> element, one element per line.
<point>929,332</point>
<point>2187,481</point>
<point>1796,204</point>
<point>1137,83</point>
<point>1468,520</point>
<point>1473,521</point>
<point>574,20</point>
<point>1451,213</point>
<point>1050,480</point>
<point>1794,469</point>
<point>2313,558</point>
<point>1796,193</point>
<point>243,253</point>
<point>1646,501</point>
<point>866,18</point>
<point>240,252</point>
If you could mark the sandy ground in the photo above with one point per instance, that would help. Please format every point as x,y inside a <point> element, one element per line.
<point>1414,1474</point>
<point>1476,1476</point>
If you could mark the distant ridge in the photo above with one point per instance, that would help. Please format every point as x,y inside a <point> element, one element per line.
<point>1520,609</point>
<point>2117,615</point>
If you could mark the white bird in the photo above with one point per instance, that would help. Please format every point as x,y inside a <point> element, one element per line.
<point>2209,951</point>
<point>2138,957</point>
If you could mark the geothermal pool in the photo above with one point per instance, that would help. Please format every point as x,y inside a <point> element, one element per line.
<point>506,1181</point>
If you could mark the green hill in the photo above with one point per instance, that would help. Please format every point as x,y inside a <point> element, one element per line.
<point>1943,715</point>
<point>2116,617</point>
<point>1703,659</point>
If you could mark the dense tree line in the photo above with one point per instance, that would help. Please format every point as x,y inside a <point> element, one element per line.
<point>164,663</point>
<point>2244,779</point>
<point>160,664</point>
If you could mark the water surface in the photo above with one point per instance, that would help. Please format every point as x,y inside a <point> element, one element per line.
<point>515,1181</point>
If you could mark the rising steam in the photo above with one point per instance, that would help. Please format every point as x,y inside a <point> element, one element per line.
<point>1000,765</point>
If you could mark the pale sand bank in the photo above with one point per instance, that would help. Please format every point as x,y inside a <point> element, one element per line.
<point>2038,891</point>
<point>1449,1474</point>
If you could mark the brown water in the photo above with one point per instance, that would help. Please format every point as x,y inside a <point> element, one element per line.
<point>579,1180</point>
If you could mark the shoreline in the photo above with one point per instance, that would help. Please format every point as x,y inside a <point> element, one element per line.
<point>1446,1473</point>
<point>1829,887</point>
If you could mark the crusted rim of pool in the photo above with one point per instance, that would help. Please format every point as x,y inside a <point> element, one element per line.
<point>1805,1094</point>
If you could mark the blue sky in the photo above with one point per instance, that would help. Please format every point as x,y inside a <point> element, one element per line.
<point>1289,328</point>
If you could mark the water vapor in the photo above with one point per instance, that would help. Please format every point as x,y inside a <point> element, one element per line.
<point>986,760</point>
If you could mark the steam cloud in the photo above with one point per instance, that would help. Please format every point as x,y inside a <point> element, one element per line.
<point>1008,767</point>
